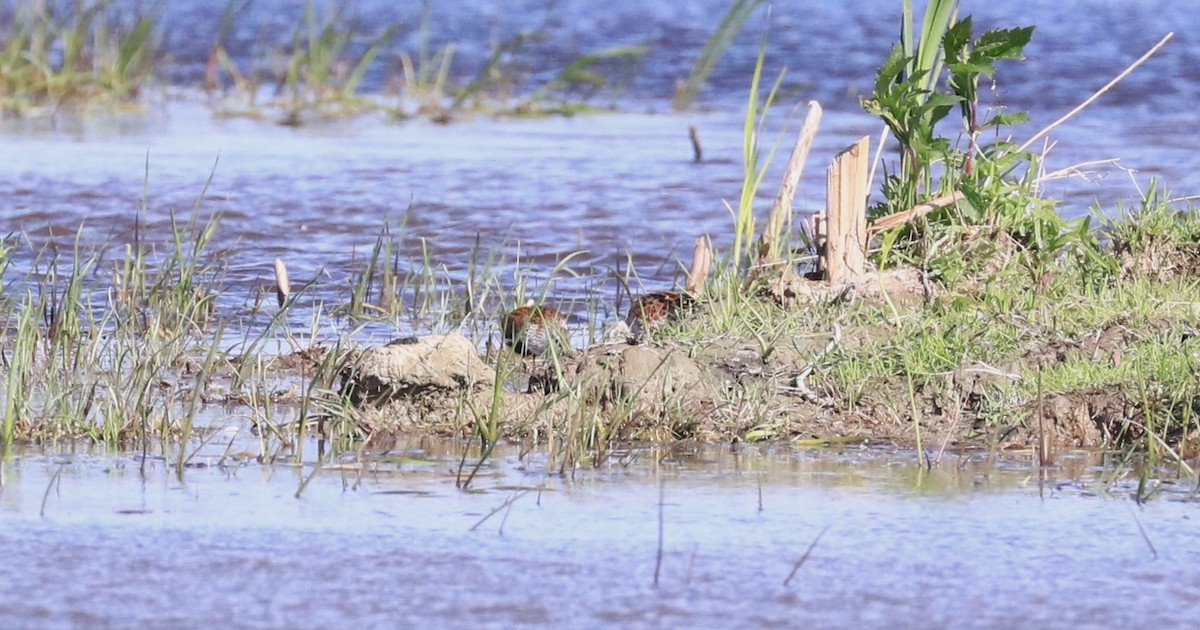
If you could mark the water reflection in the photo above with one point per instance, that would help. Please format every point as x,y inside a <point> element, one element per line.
<point>392,541</point>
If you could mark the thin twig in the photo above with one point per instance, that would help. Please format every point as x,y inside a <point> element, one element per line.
<point>801,385</point>
<point>304,484</point>
<point>1145,536</point>
<point>507,503</point>
<point>883,136</point>
<point>46,495</point>
<point>760,497</point>
<point>1097,94</point>
<point>659,555</point>
<point>804,558</point>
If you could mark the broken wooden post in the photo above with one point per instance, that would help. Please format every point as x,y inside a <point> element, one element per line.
<point>846,214</point>
<point>701,263</point>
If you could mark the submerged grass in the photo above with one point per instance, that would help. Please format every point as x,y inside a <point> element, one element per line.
<point>94,52</point>
<point>76,54</point>
<point>688,90</point>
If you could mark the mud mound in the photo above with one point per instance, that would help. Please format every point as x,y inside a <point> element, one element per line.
<point>905,285</point>
<point>413,367</point>
<point>1106,343</point>
<point>1085,418</point>
<point>640,375</point>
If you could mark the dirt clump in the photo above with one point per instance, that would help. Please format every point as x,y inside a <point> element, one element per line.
<point>1087,418</point>
<point>413,367</point>
<point>643,376</point>
<point>906,285</point>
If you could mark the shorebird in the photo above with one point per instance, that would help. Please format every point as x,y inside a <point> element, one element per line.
<point>654,310</point>
<point>531,330</point>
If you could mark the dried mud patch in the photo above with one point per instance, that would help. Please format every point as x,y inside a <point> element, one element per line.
<point>1088,418</point>
<point>1107,343</point>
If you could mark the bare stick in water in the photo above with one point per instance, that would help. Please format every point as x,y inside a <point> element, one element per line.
<point>804,558</point>
<point>46,495</point>
<point>659,557</point>
<point>760,502</point>
<point>496,510</point>
<point>282,286</point>
<point>697,152</point>
<point>1145,536</point>
<point>304,484</point>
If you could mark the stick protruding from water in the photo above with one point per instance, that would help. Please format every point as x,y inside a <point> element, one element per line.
<point>282,286</point>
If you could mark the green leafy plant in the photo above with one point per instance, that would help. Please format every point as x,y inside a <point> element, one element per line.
<point>916,89</point>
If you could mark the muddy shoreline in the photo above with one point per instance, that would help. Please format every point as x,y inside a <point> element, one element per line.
<point>691,383</point>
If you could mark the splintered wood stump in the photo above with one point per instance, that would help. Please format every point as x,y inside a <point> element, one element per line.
<point>846,214</point>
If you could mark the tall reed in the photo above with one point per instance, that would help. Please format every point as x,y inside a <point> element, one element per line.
<point>714,48</point>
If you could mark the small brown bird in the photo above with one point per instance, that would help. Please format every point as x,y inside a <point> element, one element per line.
<point>531,330</point>
<point>655,310</point>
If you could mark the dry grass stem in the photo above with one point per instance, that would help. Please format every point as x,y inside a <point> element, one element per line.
<point>701,265</point>
<point>1107,86</point>
<point>282,285</point>
<point>883,224</point>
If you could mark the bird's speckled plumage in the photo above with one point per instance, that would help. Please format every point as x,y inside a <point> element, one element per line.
<point>653,311</point>
<point>530,330</point>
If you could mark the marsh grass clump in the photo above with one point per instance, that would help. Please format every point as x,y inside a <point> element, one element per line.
<point>74,54</point>
<point>317,74</point>
<point>1025,330</point>
<point>1155,240</point>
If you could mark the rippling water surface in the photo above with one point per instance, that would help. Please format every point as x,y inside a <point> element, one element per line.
<point>89,540</point>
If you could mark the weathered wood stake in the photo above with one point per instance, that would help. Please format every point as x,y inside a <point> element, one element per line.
<point>781,211</point>
<point>697,151</point>
<point>701,263</point>
<point>846,214</point>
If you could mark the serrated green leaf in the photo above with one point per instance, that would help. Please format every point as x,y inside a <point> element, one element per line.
<point>1004,43</point>
<point>890,71</point>
<point>1001,120</point>
<point>955,41</point>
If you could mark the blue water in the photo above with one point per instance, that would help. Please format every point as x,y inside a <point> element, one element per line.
<point>972,543</point>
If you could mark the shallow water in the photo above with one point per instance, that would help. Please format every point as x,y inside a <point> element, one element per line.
<point>975,542</point>
<point>621,188</point>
